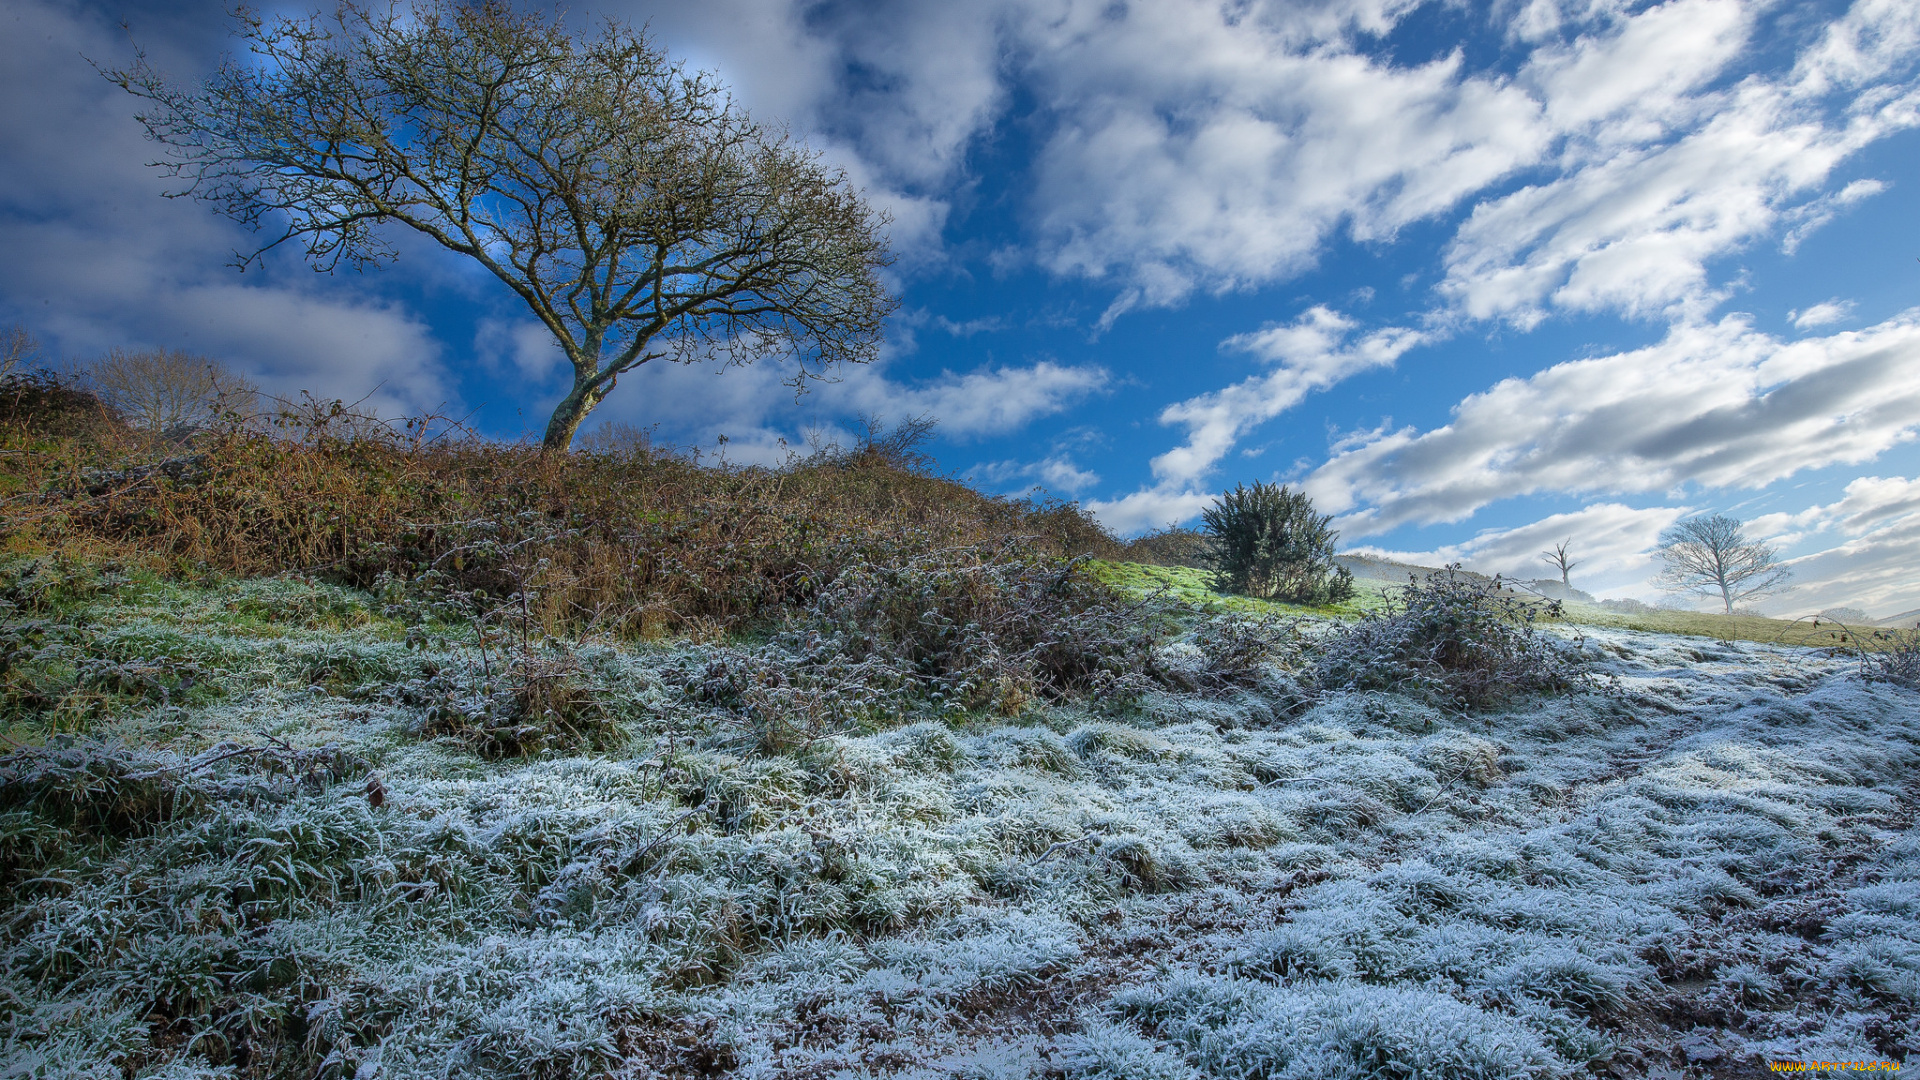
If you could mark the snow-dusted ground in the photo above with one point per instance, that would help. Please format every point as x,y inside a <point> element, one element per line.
<point>1714,865</point>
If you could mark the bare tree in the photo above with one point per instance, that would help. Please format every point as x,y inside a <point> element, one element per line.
<point>1559,558</point>
<point>629,204</point>
<point>1712,556</point>
<point>163,391</point>
<point>17,349</point>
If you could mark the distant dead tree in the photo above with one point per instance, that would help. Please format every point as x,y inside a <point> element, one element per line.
<point>165,391</point>
<point>1558,558</point>
<point>1712,556</point>
<point>17,349</point>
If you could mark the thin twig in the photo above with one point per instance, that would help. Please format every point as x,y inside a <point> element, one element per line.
<point>633,859</point>
<point>1299,780</point>
<point>1442,791</point>
<point>1048,854</point>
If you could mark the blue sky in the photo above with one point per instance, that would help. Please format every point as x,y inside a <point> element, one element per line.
<point>1479,277</point>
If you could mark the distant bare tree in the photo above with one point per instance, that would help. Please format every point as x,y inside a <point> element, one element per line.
<point>1712,556</point>
<point>17,349</point>
<point>617,438</point>
<point>164,391</point>
<point>1558,558</point>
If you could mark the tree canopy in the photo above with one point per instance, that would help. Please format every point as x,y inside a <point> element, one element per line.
<point>165,391</point>
<point>631,205</point>
<point>1712,556</point>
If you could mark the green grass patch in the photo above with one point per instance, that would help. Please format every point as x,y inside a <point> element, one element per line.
<point>1193,588</point>
<point>1721,627</point>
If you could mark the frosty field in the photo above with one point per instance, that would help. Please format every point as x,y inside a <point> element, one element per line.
<point>246,840</point>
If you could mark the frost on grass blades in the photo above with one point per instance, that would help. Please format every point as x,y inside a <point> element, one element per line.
<point>947,818</point>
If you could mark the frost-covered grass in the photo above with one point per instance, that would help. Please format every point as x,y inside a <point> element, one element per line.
<point>289,868</point>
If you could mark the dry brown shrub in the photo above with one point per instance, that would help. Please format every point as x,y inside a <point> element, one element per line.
<point>1171,546</point>
<point>634,543</point>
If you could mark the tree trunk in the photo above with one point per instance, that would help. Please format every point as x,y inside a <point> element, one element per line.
<point>567,417</point>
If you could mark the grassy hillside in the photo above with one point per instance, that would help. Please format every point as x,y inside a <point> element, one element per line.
<point>330,756</point>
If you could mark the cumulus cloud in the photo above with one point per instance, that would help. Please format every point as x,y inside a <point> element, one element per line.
<point>1822,314</point>
<point>1200,146</point>
<point>988,401</point>
<point>1872,571</point>
<point>894,94</point>
<point>1634,233</point>
<point>1628,78</point>
<point>1058,473</point>
<point>1658,179</point>
<point>1149,508</point>
<point>695,403</point>
<point>96,259</point>
<point>1871,502</point>
<point>1311,353</point>
<point>1876,522</point>
<point>1720,405</point>
<point>1804,220</point>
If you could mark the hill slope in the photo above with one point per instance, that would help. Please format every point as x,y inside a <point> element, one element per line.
<point>271,827</point>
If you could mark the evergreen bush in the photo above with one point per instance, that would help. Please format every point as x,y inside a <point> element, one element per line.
<point>1268,542</point>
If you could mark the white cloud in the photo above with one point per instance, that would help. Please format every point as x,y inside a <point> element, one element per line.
<point>1206,146</point>
<point>522,348</point>
<point>1057,473</point>
<point>1633,233</point>
<point>694,403</point>
<point>928,80</point>
<point>1806,219</point>
<point>1872,571</point>
<point>1873,501</point>
<point>1868,503</point>
<point>1873,40</point>
<point>1821,314</point>
<point>1657,179</point>
<point>1872,567</point>
<point>1630,78</point>
<point>894,94</point>
<point>988,401</point>
<point>1149,508</point>
<point>1720,405</point>
<point>1311,353</point>
<point>96,259</point>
